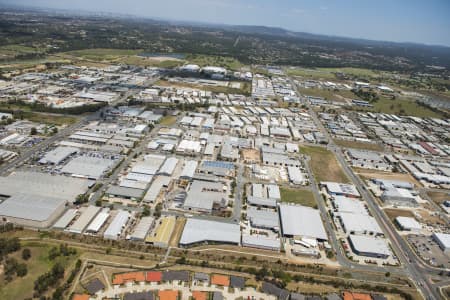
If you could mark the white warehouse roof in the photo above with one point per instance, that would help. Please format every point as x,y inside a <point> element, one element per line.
<point>197,231</point>
<point>359,223</point>
<point>115,228</point>
<point>297,220</point>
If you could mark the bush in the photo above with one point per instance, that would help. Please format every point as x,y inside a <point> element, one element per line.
<point>26,254</point>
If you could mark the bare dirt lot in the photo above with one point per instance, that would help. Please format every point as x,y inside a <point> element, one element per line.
<point>438,197</point>
<point>368,174</point>
<point>393,213</point>
<point>250,155</point>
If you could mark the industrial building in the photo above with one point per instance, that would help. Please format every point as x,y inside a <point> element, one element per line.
<point>84,219</point>
<point>203,195</point>
<point>443,240</point>
<point>341,189</point>
<point>408,224</point>
<point>117,225</point>
<point>90,167</point>
<point>264,219</point>
<point>261,242</point>
<point>199,231</point>
<point>354,223</point>
<point>160,237</point>
<point>37,199</point>
<point>369,246</point>
<point>301,221</point>
<point>58,155</point>
<point>142,228</point>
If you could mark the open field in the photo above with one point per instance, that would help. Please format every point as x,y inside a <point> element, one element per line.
<point>400,107</point>
<point>328,94</point>
<point>50,118</point>
<point>298,196</point>
<point>102,54</point>
<point>324,164</point>
<point>168,120</point>
<point>393,213</point>
<point>38,264</point>
<point>177,231</point>
<point>358,145</point>
<point>438,197</point>
<point>328,73</point>
<point>369,174</point>
<point>164,62</point>
<point>219,61</point>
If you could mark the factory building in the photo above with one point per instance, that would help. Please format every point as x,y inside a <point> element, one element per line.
<point>198,231</point>
<point>301,221</point>
<point>369,246</point>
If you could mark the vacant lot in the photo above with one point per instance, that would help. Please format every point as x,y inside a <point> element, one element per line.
<point>102,54</point>
<point>324,164</point>
<point>168,120</point>
<point>210,60</point>
<point>297,196</point>
<point>393,213</point>
<point>177,231</point>
<point>369,174</point>
<point>359,145</point>
<point>163,62</point>
<point>438,197</point>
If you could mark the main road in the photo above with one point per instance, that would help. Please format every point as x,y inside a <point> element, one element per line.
<point>414,267</point>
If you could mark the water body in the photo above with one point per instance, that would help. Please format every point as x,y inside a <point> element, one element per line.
<point>160,54</point>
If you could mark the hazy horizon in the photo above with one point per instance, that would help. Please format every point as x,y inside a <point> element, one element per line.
<point>412,21</point>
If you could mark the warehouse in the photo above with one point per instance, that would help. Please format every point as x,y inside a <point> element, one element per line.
<point>142,228</point>
<point>84,219</point>
<point>274,159</point>
<point>296,176</point>
<point>124,192</point>
<point>189,147</point>
<point>301,221</point>
<point>117,225</point>
<point>369,246</point>
<point>341,189</point>
<point>150,165</point>
<point>160,237</point>
<point>273,191</point>
<point>264,219</point>
<point>217,168</point>
<point>398,197</point>
<point>32,210</point>
<point>199,231</point>
<point>189,169</point>
<point>66,219</point>
<point>261,242</point>
<point>408,224</point>
<point>58,155</point>
<point>169,166</point>
<point>354,223</point>
<point>98,222</point>
<point>262,202</point>
<point>88,166</point>
<point>203,195</point>
<point>37,199</point>
<point>443,240</point>
<point>155,188</point>
<point>343,204</point>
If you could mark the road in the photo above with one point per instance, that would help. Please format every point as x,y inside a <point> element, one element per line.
<point>413,265</point>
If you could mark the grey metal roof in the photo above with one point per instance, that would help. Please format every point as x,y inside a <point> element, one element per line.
<point>269,202</point>
<point>115,228</point>
<point>89,166</point>
<point>258,241</point>
<point>169,166</point>
<point>369,244</point>
<point>175,275</point>
<point>31,207</point>
<point>354,222</point>
<point>43,184</point>
<point>124,192</point>
<point>189,169</point>
<point>272,289</point>
<point>142,228</point>
<point>94,286</point>
<point>263,218</point>
<point>57,155</point>
<point>65,220</point>
<point>85,218</point>
<point>297,220</point>
<point>139,296</point>
<point>237,282</point>
<point>203,194</point>
<point>197,231</point>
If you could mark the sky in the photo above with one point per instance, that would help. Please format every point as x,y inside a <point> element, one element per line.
<point>419,21</point>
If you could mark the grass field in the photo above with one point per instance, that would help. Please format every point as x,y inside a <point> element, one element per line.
<point>324,164</point>
<point>149,62</point>
<point>359,145</point>
<point>38,264</point>
<point>218,61</point>
<point>50,118</point>
<point>400,107</point>
<point>297,196</point>
<point>328,94</point>
<point>328,73</point>
<point>102,54</point>
<point>168,120</point>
